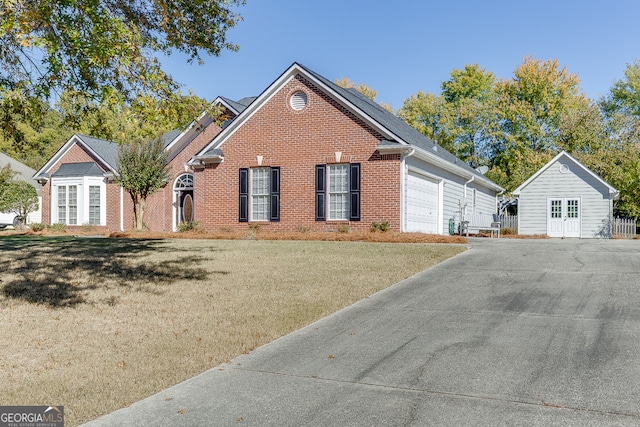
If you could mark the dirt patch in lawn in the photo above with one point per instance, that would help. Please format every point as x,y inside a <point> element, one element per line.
<point>96,324</point>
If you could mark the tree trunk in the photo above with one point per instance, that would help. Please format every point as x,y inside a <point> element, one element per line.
<point>139,209</point>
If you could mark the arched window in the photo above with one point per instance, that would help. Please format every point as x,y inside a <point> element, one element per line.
<point>184,182</point>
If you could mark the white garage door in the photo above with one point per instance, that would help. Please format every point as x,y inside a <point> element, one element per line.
<point>421,204</point>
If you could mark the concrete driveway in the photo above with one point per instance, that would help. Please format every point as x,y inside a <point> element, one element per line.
<point>511,332</point>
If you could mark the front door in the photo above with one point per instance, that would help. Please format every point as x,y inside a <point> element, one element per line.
<point>563,217</point>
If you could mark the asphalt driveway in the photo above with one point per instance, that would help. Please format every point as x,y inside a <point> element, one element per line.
<point>511,332</point>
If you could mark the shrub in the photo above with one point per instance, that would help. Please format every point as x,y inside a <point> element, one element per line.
<point>37,226</point>
<point>188,226</point>
<point>343,228</point>
<point>507,231</point>
<point>57,227</point>
<point>382,226</point>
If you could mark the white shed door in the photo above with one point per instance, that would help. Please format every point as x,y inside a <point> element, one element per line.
<point>421,204</point>
<point>563,217</point>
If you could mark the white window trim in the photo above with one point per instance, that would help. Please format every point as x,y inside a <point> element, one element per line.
<point>329,192</point>
<point>83,184</point>
<point>267,195</point>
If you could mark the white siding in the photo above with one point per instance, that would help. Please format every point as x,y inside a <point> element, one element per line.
<point>576,182</point>
<point>453,192</point>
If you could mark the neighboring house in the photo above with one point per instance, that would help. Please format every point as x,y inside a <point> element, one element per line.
<point>308,154</point>
<point>565,199</point>
<point>25,173</point>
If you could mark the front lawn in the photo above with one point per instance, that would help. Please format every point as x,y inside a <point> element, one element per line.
<point>96,324</point>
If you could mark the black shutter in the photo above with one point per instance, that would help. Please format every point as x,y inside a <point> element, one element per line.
<point>243,205</point>
<point>321,184</point>
<point>275,195</point>
<point>354,191</point>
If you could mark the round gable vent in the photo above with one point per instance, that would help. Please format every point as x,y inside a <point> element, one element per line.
<point>298,100</point>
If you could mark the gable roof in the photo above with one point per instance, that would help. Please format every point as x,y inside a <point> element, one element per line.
<point>106,152</point>
<point>396,132</point>
<point>563,153</point>
<point>236,106</point>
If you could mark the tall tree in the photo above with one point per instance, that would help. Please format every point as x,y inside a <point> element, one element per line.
<point>619,161</point>
<point>365,90</point>
<point>462,118</point>
<point>104,48</point>
<point>533,109</point>
<point>142,170</point>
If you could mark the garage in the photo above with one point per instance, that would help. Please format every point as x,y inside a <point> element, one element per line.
<point>421,203</point>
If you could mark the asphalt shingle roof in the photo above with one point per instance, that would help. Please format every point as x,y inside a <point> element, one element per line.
<point>107,150</point>
<point>393,123</point>
<point>78,169</point>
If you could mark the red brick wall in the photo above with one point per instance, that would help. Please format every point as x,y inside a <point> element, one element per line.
<point>296,141</point>
<point>77,154</point>
<point>159,214</point>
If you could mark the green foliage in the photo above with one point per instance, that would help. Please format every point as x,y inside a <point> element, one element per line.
<point>142,170</point>
<point>37,226</point>
<point>463,118</point>
<point>6,175</point>
<point>365,90</point>
<point>342,228</point>
<point>57,227</point>
<point>106,47</point>
<point>380,226</point>
<point>188,226</point>
<point>19,197</point>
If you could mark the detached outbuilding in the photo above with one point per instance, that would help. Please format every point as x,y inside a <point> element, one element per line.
<point>565,199</point>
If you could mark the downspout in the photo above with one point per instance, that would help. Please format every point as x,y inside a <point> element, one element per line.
<point>465,194</point>
<point>403,190</point>
<point>121,209</point>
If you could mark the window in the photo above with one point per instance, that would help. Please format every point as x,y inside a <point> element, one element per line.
<point>68,204</point>
<point>62,205</point>
<point>78,201</point>
<point>259,194</point>
<point>94,205</point>
<point>572,209</point>
<point>259,190</point>
<point>556,209</point>
<point>338,190</point>
<point>73,205</point>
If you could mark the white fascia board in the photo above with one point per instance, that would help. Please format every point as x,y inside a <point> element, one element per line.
<point>202,115</point>
<point>221,101</point>
<point>521,187</point>
<point>75,138</point>
<point>54,159</point>
<point>455,169</point>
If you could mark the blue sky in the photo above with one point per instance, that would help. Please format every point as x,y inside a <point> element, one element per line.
<point>401,47</point>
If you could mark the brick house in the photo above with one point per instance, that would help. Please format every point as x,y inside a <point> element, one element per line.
<point>304,154</point>
<point>309,154</point>
<point>78,187</point>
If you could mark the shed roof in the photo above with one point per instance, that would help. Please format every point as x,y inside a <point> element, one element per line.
<point>78,169</point>
<point>568,156</point>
